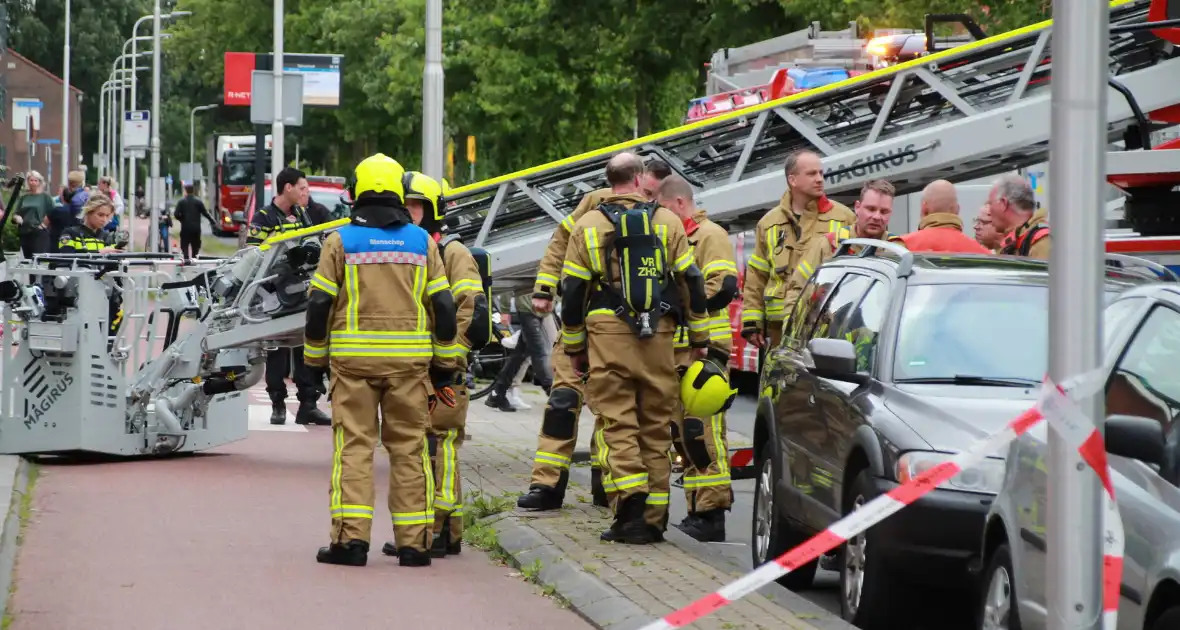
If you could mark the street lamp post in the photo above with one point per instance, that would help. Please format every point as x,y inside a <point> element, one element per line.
<point>432,93</point>
<point>126,162</point>
<point>65,104</point>
<point>154,189</point>
<point>278,151</point>
<point>192,135</point>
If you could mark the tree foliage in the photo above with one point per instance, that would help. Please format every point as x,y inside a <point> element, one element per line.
<point>534,80</point>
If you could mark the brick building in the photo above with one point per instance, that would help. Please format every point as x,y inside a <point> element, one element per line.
<point>22,79</point>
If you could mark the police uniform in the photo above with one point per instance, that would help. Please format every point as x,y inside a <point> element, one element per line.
<point>781,238</point>
<point>629,355</point>
<point>448,423</point>
<point>81,239</point>
<point>1032,239</point>
<point>559,427</point>
<point>267,222</point>
<point>380,308</point>
<point>703,443</point>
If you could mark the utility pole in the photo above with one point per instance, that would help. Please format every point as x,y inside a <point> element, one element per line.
<point>278,155</point>
<point>65,104</point>
<point>432,93</point>
<point>1077,149</point>
<point>155,198</point>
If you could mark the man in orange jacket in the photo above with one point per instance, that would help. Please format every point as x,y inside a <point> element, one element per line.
<point>941,229</point>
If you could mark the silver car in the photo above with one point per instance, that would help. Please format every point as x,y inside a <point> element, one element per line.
<point>1142,350</point>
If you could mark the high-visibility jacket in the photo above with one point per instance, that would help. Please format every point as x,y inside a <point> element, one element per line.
<point>1031,239</point>
<point>272,220</point>
<point>781,238</point>
<point>381,307</point>
<point>714,255</point>
<point>466,287</point>
<point>591,248</point>
<point>549,273</point>
<point>941,232</point>
<point>78,239</point>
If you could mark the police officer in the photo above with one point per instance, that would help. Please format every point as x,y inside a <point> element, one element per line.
<point>89,237</point>
<point>559,428</point>
<point>781,237</point>
<point>380,307</point>
<point>626,262</point>
<point>703,443</point>
<point>284,214</point>
<point>447,423</point>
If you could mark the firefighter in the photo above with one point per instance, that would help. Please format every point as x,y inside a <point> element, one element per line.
<point>380,307</point>
<point>285,213</point>
<point>625,267</point>
<point>872,211</point>
<point>89,237</point>
<point>941,229</point>
<point>781,237</point>
<point>702,442</point>
<point>1015,215</point>
<point>559,428</point>
<point>447,424</point>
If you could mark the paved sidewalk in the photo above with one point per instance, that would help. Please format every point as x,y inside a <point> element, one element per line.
<point>615,586</point>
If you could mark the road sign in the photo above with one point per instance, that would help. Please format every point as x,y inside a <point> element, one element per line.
<point>190,171</point>
<point>471,149</point>
<point>262,109</point>
<point>168,180</point>
<point>321,76</point>
<point>137,129</point>
<point>22,110</point>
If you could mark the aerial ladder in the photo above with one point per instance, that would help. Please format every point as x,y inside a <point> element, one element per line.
<point>973,111</point>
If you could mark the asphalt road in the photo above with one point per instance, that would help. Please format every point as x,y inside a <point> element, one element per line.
<point>944,611</point>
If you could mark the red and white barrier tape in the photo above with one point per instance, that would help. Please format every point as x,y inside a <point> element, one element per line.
<point>1064,417</point>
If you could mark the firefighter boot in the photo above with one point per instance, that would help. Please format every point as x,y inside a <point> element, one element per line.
<point>596,489</point>
<point>278,408</point>
<point>633,528</point>
<point>309,413</point>
<point>407,556</point>
<point>354,553</point>
<point>541,497</point>
<point>444,545</point>
<point>707,526</point>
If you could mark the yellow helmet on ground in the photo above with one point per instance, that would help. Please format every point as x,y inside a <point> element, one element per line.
<point>705,390</point>
<point>426,188</point>
<point>378,176</point>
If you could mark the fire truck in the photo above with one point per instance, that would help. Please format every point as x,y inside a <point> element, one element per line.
<point>230,164</point>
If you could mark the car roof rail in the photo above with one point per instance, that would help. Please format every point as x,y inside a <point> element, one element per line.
<point>871,246</point>
<point>1128,263</point>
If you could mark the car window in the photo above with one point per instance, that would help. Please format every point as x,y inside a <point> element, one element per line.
<point>862,326</point>
<point>1146,380</point>
<point>982,330</point>
<point>826,320</point>
<point>1115,315</point>
<point>810,298</point>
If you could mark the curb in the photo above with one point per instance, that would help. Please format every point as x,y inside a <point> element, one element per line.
<point>14,483</point>
<point>593,599</point>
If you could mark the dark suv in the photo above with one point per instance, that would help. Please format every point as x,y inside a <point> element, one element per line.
<point>890,363</point>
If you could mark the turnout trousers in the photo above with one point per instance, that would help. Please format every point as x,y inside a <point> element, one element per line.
<point>703,446</point>
<point>403,400</point>
<point>448,427</point>
<point>559,426</point>
<point>635,390</point>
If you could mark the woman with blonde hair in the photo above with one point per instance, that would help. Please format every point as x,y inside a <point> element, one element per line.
<point>32,216</point>
<point>89,236</point>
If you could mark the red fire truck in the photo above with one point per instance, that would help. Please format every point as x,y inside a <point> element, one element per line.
<point>230,164</point>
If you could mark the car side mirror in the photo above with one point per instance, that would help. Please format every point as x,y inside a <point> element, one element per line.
<point>1136,437</point>
<point>834,359</point>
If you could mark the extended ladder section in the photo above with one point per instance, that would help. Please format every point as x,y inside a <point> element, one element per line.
<point>970,112</point>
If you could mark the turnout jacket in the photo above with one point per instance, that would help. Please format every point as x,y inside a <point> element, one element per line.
<point>591,247</point>
<point>714,255</point>
<point>380,303</point>
<point>549,273</point>
<point>781,238</point>
<point>1031,239</point>
<point>466,287</point>
<point>271,220</point>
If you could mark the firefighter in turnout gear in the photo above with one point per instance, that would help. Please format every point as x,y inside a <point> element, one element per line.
<point>625,269</point>
<point>781,238</point>
<point>424,198</point>
<point>559,429</point>
<point>872,210</point>
<point>1015,215</point>
<point>89,237</point>
<point>702,442</point>
<point>380,308</point>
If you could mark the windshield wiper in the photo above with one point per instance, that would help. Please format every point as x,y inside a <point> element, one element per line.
<point>964,379</point>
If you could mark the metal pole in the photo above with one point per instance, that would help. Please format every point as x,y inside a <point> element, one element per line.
<point>278,155</point>
<point>131,177</point>
<point>192,133</point>
<point>1078,156</point>
<point>102,129</point>
<point>65,105</point>
<point>432,93</point>
<point>156,202</point>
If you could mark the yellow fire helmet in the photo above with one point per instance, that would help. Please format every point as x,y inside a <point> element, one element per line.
<point>426,188</point>
<point>379,175</point>
<point>705,390</point>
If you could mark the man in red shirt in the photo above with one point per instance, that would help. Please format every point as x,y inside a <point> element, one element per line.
<point>941,229</point>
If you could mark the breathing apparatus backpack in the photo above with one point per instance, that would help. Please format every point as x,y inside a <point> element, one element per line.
<point>480,331</point>
<point>640,300</point>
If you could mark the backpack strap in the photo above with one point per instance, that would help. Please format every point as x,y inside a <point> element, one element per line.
<point>1031,237</point>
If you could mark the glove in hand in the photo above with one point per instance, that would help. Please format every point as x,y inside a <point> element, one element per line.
<point>443,382</point>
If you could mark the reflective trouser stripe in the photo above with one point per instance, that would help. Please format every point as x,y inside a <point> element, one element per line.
<point>448,459</point>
